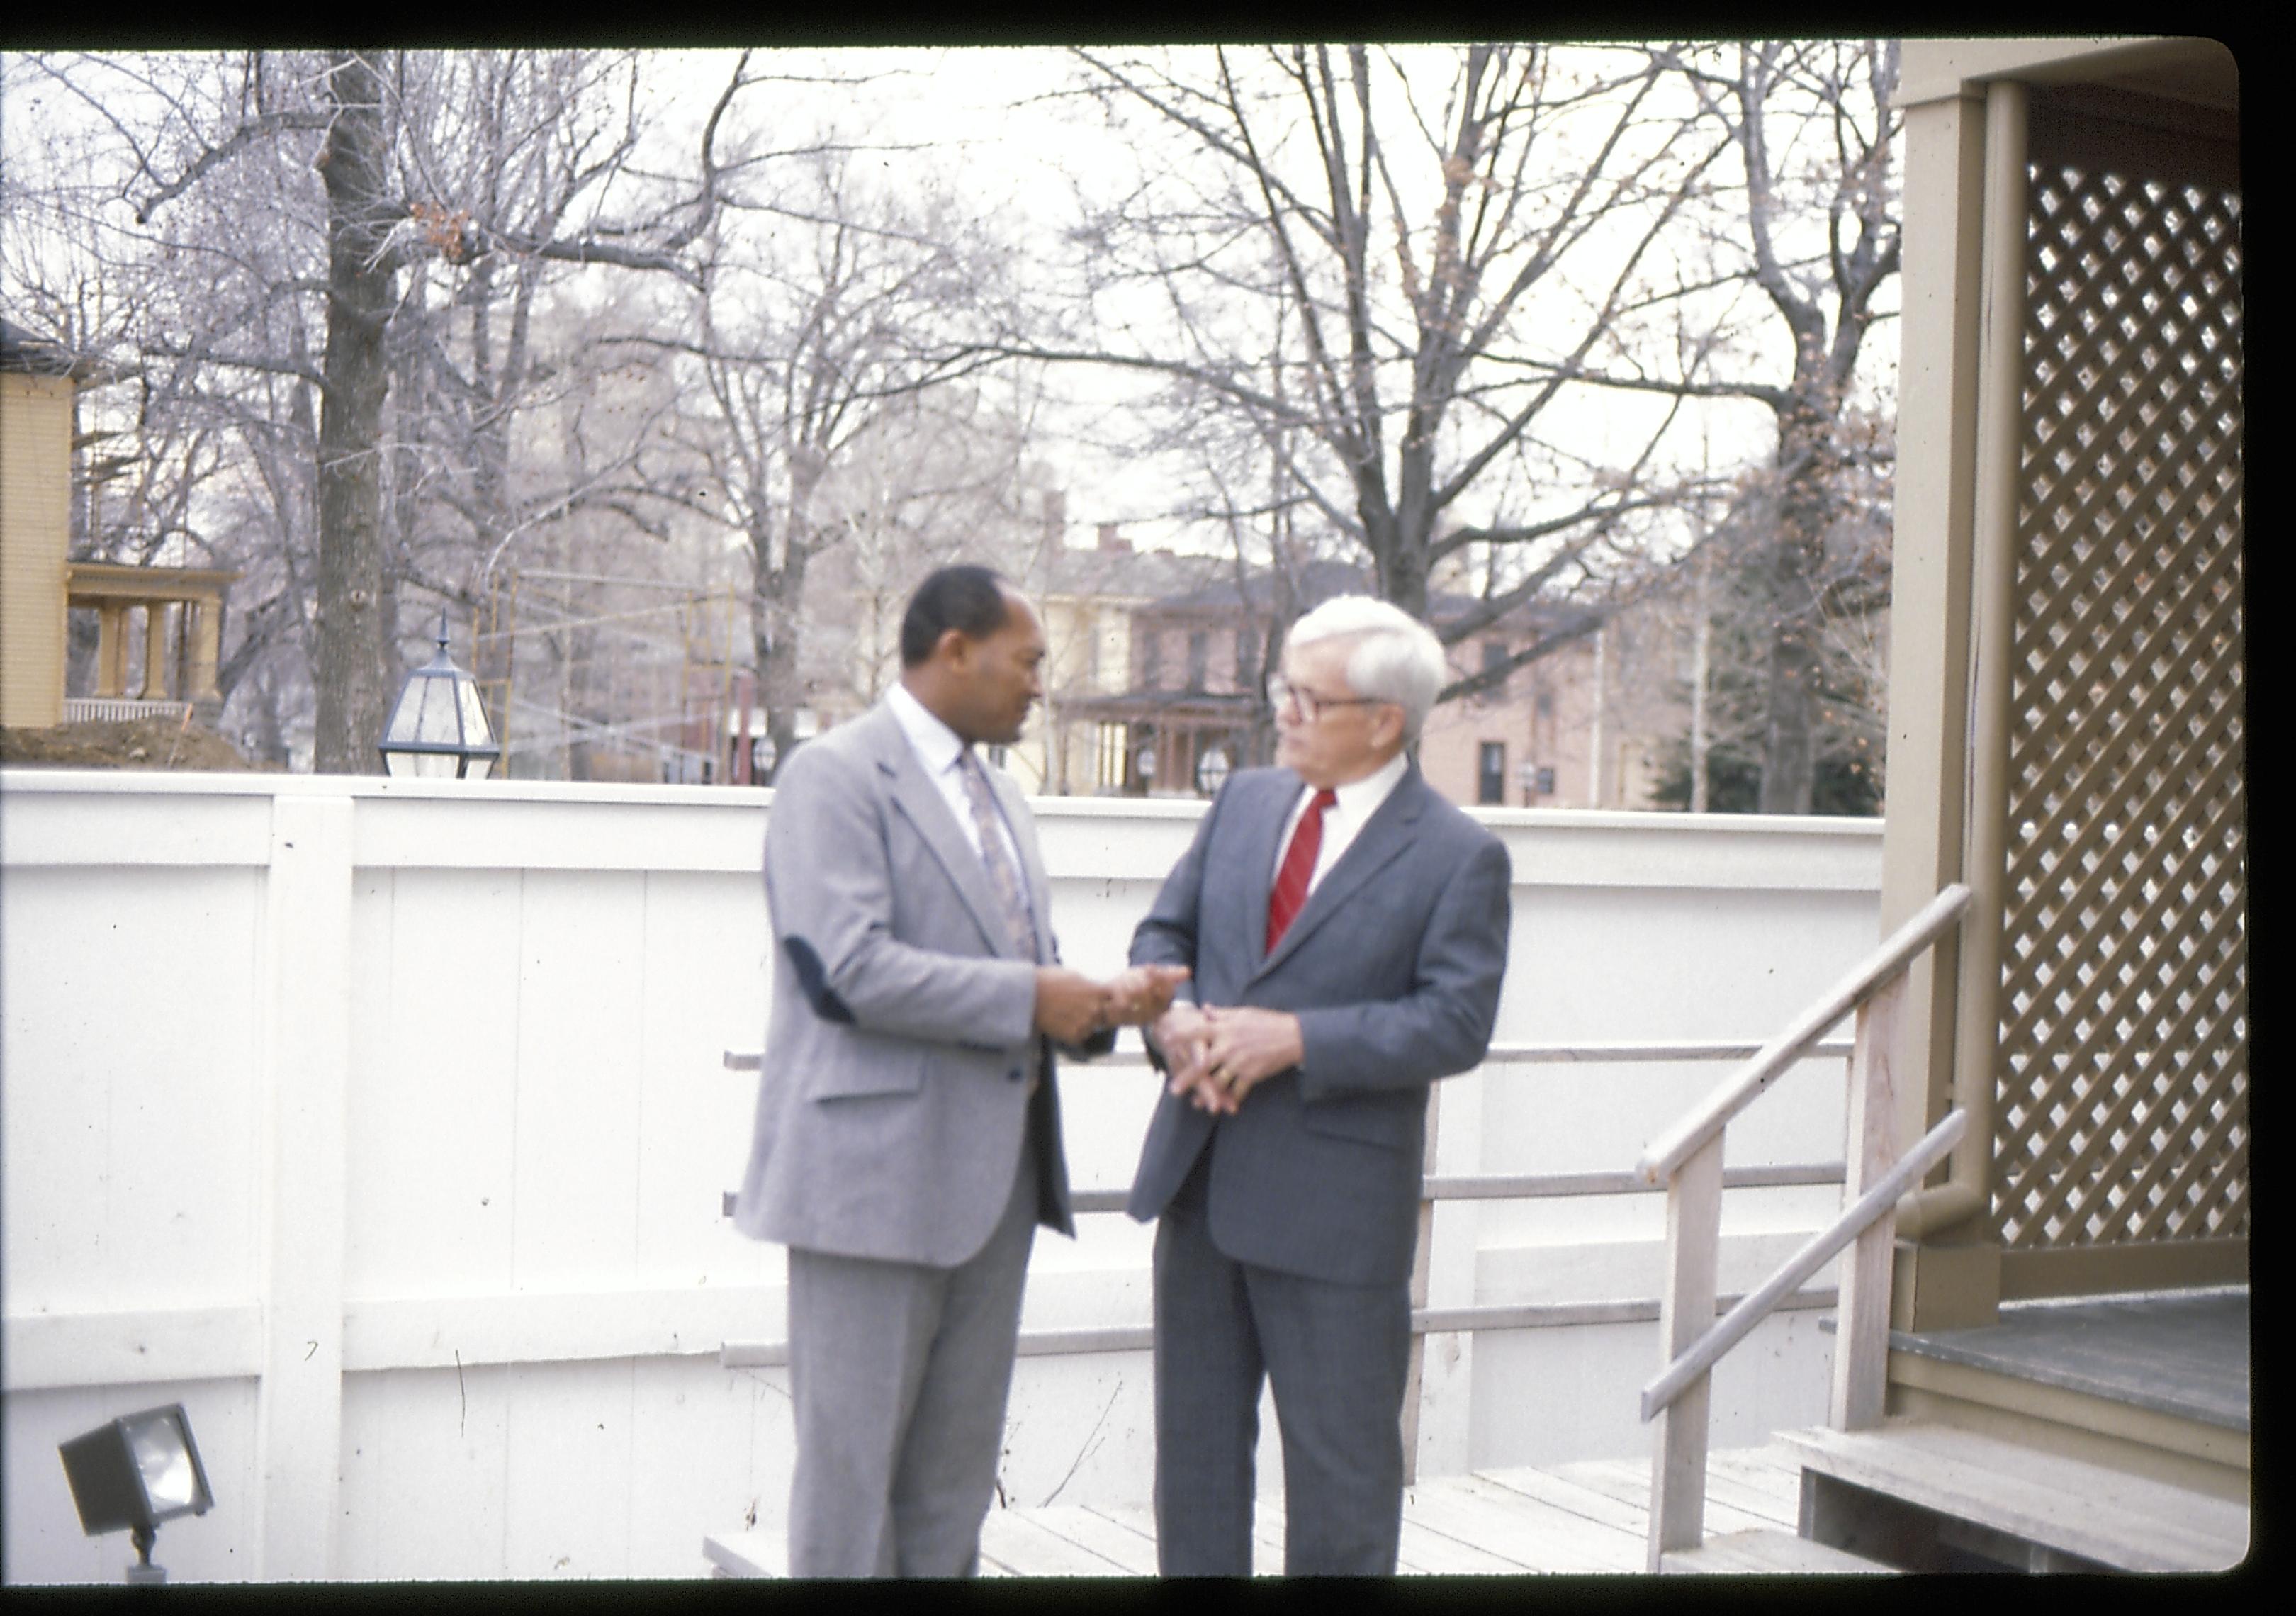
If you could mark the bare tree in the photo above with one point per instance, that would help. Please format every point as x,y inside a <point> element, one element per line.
<point>353,665</point>
<point>812,340</point>
<point>1382,265</point>
<point>1727,605</point>
<point>320,183</point>
<point>1813,229</point>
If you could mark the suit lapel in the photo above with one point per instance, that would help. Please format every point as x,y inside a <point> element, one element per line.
<point>919,800</point>
<point>1383,839</point>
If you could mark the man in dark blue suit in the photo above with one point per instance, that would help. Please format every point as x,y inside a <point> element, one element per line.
<point>1347,932</point>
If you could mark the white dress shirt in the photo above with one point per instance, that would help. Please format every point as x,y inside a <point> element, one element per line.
<point>941,752</point>
<point>1352,807</point>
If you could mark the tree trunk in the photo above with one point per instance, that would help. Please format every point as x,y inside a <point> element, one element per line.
<point>1792,673</point>
<point>1702,672</point>
<point>355,657</point>
<point>775,600</point>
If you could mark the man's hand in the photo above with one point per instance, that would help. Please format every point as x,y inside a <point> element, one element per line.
<point>1177,1036</point>
<point>1070,1005</point>
<point>1239,1047</point>
<point>1140,996</point>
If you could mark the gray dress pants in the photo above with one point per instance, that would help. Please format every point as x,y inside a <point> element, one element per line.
<point>1338,1357</point>
<point>899,1374</point>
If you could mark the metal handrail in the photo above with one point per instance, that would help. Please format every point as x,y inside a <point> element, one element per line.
<point>1671,1149</point>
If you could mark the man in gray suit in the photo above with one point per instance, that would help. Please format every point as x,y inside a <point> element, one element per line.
<point>908,1134</point>
<point>1348,931</point>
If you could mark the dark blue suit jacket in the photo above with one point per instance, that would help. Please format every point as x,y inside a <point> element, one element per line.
<point>1393,968</point>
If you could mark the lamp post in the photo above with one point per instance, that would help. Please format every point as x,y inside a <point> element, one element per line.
<point>137,1471</point>
<point>438,728</point>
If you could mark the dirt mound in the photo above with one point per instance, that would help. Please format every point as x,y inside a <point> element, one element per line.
<point>167,744</point>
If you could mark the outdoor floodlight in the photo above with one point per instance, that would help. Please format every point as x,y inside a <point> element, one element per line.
<point>136,1471</point>
<point>440,726</point>
<point>1211,770</point>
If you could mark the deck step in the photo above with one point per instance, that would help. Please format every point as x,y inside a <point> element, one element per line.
<point>1759,1552</point>
<point>2065,1506</point>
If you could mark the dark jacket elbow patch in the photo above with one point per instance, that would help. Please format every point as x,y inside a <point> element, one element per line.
<point>813,981</point>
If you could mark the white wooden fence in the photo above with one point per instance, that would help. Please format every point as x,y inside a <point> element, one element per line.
<point>384,1124</point>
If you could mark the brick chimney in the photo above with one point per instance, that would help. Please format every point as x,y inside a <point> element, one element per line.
<point>1109,541</point>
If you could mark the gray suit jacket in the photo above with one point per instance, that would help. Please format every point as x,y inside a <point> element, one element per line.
<point>1393,968</point>
<point>893,1102</point>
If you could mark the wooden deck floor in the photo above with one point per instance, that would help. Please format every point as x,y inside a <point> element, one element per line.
<point>1572,1518</point>
<point>1502,1522</point>
<point>1579,1517</point>
<point>2185,1355</point>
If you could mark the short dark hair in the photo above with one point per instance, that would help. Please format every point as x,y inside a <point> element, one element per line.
<point>966,598</point>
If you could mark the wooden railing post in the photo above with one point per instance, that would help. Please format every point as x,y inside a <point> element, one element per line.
<point>1693,1238</point>
<point>1861,1341</point>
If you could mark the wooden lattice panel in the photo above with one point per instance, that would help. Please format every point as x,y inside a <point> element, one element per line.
<point>2121,1101</point>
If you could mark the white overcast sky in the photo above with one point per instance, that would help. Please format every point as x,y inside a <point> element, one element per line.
<point>975,117</point>
<point>979,117</point>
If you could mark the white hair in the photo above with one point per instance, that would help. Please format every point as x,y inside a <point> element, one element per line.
<point>1397,658</point>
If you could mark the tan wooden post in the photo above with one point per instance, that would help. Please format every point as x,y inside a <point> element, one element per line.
<point>111,649</point>
<point>202,629</point>
<point>1693,1232</point>
<point>155,650</point>
<point>1861,1341</point>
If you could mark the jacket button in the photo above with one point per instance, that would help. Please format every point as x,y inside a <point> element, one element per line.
<point>1012,1076</point>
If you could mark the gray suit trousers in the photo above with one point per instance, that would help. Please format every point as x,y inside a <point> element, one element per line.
<point>899,1372</point>
<point>1337,1354</point>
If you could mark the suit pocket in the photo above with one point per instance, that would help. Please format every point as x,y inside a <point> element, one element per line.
<point>845,1076</point>
<point>1389,1120</point>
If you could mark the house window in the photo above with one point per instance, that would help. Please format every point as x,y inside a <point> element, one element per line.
<point>1490,774</point>
<point>1151,660</point>
<point>1494,656</point>
<point>1200,653</point>
<point>1247,657</point>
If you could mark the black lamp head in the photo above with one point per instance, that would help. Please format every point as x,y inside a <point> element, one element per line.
<point>137,1471</point>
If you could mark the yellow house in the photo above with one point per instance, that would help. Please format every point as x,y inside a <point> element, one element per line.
<point>35,428</point>
<point>179,609</point>
<point>1079,744</point>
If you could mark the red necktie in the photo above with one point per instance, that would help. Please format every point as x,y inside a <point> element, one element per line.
<point>1299,864</point>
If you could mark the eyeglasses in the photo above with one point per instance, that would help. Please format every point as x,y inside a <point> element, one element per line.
<point>1283,694</point>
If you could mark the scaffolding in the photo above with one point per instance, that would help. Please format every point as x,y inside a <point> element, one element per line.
<point>590,676</point>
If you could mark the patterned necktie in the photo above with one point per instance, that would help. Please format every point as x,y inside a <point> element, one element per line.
<point>1299,864</point>
<point>1011,894</point>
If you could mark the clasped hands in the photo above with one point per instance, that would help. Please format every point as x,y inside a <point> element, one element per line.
<point>1217,1054</point>
<point>1072,1006</point>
